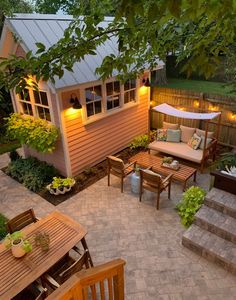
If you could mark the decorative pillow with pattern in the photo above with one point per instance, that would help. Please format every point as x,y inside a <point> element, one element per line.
<point>161,135</point>
<point>195,141</point>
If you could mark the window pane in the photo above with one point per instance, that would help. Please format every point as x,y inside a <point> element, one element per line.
<point>27,108</point>
<point>97,92</point>
<point>89,94</point>
<point>109,88</point>
<point>44,99</point>
<point>109,105</point>
<point>89,109</point>
<point>116,103</point>
<point>127,85</point>
<point>132,84</point>
<point>132,95</point>
<point>47,114</point>
<point>98,107</point>
<point>24,95</point>
<point>36,97</point>
<point>126,97</point>
<point>117,86</point>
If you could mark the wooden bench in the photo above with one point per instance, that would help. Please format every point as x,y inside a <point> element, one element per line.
<point>144,159</point>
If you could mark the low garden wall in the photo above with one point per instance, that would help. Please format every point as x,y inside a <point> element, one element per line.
<point>198,102</point>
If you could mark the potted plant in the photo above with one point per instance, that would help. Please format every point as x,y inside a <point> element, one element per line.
<point>60,185</point>
<point>19,246</point>
<point>225,173</point>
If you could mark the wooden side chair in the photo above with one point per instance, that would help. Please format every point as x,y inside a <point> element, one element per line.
<point>153,182</point>
<point>65,268</point>
<point>22,220</point>
<point>117,167</point>
<point>35,291</point>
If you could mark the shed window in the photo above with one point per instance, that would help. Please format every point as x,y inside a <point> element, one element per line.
<point>93,100</point>
<point>130,91</point>
<point>35,103</point>
<point>113,94</point>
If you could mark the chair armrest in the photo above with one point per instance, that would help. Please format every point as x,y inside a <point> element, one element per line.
<point>46,278</point>
<point>168,178</point>
<point>130,164</point>
<point>76,249</point>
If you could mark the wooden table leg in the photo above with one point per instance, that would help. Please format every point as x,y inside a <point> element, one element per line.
<point>184,186</point>
<point>85,246</point>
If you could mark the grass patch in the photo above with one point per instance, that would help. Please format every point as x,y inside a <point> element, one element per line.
<point>201,86</point>
<point>9,147</point>
<point>3,230</point>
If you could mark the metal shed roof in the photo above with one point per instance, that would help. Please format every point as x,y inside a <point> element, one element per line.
<point>48,29</point>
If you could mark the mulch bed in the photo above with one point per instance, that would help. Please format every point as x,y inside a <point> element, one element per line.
<point>87,178</point>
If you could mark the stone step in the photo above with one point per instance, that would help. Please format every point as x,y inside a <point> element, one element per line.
<point>221,201</point>
<point>211,246</point>
<point>216,222</point>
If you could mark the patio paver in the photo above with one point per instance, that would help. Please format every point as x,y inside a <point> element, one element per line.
<point>158,266</point>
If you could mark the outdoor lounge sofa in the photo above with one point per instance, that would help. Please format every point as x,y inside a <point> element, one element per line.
<point>189,143</point>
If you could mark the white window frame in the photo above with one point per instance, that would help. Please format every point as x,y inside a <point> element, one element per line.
<point>128,91</point>
<point>34,104</point>
<point>106,112</point>
<point>93,101</point>
<point>113,95</point>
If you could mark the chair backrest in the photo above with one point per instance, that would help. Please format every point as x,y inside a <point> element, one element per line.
<point>22,220</point>
<point>78,265</point>
<point>107,280</point>
<point>150,178</point>
<point>115,164</point>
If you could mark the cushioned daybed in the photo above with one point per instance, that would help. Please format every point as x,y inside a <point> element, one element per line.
<point>183,146</point>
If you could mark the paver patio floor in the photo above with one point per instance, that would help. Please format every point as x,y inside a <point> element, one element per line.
<point>158,266</point>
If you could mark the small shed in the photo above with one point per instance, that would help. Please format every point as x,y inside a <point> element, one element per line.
<point>112,113</point>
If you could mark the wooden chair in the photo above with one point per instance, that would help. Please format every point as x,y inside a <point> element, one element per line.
<point>102,282</point>
<point>22,220</point>
<point>35,291</point>
<point>153,182</point>
<point>117,167</point>
<point>65,268</point>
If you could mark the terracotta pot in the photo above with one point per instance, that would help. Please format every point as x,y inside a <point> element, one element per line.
<point>17,249</point>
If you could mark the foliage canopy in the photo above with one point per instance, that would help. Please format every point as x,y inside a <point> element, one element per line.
<point>198,31</point>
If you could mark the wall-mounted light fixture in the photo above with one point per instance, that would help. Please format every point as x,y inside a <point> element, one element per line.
<point>146,82</point>
<point>75,101</point>
<point>233,116</point>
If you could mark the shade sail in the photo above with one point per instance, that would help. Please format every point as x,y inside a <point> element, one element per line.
<point>171,111</point>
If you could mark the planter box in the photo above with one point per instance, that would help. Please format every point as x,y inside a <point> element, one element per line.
<point>224,182</point>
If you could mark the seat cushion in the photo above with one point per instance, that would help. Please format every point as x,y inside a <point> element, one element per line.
<point>203,133</point>
<point>170,126</point>
<point>181,150</point>
<point>186,133</point>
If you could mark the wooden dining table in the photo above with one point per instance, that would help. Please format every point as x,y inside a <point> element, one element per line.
<point>18,273</point>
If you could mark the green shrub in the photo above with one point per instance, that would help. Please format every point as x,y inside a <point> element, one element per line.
<point>227,159</point>
<point>36,133</point>
<point>3,229</point>
<point>140,141</point>
<point>31,172</point>
<point>191,202</point>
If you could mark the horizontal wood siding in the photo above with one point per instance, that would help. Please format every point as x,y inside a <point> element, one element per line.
<point>91,143</point>
<point>57,158</point>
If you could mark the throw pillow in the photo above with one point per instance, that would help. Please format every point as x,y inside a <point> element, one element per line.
<point>170,126</point>
<point>147,171</point>
<point>173,135</point>
<point>203,141</point>
<point>161,135</point>
<point>200,132</point>
<point>186,133</point>
<point>194,141</point>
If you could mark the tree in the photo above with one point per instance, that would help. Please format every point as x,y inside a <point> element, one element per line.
<point>196,30</point>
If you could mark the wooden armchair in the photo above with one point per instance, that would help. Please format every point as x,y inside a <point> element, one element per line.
<point>117,167</point>
<point>22,220</point>
<point>35,291</point>
<point>65,268</point>
<point>153,182</point>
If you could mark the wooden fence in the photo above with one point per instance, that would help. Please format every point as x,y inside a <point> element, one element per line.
<point>198,102</point>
